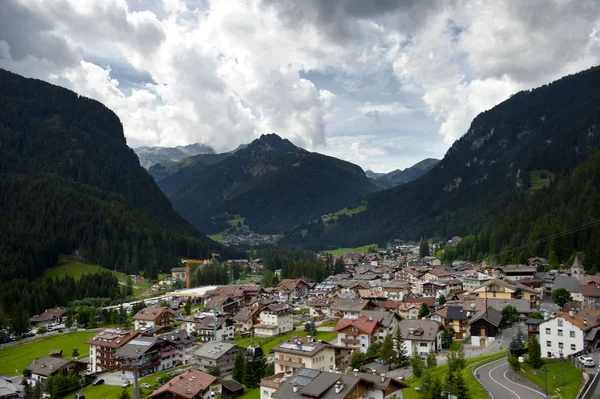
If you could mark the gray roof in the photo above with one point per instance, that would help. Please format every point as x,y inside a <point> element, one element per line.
<point>300,347</point>
<point>382,316</point>
<point>214,350</point>
<point>136,347</point>
<point>522,305</point>
<point>350,305</point>
<point>569,283</point>
<point>47,365</point>
<point>423,330</point>
<point>576,263</point>
<point>245,313</point>
<point>232,385</point>
<point>492,315</point>
<point>533,321</point>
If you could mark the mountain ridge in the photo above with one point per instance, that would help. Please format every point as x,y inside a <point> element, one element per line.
<point>152,155</point>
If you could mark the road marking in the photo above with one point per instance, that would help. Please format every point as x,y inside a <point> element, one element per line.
<point>502,385</point>
<point>476,373</point>
<point>521,385</point>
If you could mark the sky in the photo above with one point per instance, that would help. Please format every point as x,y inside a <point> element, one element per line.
<point>380,83</point>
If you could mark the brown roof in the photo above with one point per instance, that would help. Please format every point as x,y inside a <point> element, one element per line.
<point>429,300</point>
<point>152,313</point>
<point>290,285</point>
<point>363,324</point>
<point>590,290</point>
<point>112,338</point>
<point>48,315</point>
<point>187,385</point>
<point>578,320</point>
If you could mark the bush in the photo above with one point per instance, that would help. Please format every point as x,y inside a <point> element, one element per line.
<point>513,362</point>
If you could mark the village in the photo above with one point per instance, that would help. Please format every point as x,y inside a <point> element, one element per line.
<point>354,330</point>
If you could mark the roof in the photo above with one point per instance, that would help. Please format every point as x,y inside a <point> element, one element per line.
<point>48,315</point>
<point>279,308</point>
<point>422,330</point>
<point>187,385</point>
<point>245,314</point>
<point>363,324</point>
<point>534,322</point>
<point>385,318</point>
<point>47,365</point>
<point>510,284</point>
<point>319,302</point>
<point>578,320</point>
<point>522,305</point>
<point>490,315</point>
<point>571,284</point>
<point>302,347</point>
<point>214,350</point>
<point>590,290</point>
<point>112,338</point>
<point>452,313</point>
<point>576,264</point>
<point>232,386</point>
<point>429,300</point>
<point>350,305</point>
<point>290,285</point>
<point>152,314</point>
<point>136,347</point>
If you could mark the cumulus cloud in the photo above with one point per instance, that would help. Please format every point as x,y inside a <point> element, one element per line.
<point>381,83</point>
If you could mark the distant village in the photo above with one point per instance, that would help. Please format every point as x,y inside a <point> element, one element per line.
<point>377,296</point>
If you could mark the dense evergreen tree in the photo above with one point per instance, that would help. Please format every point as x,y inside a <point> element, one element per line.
<point>431,359</point>
<point>400,346</point>
<point>517,344</point>
<point>417,364</point>
<point>423,310</point>
<point>535,353</point>
<point>424,248</point>
<point>239,365</point>
<point>386,352</point>
<point>510,315</point>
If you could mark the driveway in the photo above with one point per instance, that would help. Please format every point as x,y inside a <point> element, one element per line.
<point>493,376</point>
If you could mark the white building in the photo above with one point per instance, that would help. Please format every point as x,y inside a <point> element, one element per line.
<point>421,336</point>
<point>567,332</point>
<point>274,320</point>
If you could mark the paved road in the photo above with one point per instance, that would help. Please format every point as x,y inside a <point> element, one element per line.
<point>493,376</point>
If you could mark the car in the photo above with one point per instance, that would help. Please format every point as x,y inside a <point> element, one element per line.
<point>98,381</point>
<point>125,384</point>
<point>586,361</point>
<point>145,385</point>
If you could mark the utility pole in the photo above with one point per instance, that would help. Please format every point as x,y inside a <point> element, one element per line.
<point>562,365</point>
<point>545,370</point>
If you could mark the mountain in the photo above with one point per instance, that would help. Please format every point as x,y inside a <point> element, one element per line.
<point>397,177</point>
<point>69,183</point>
<point>485,175</point>
<point>373,175</point>
<point>194,163</point>
<point>150,156</point>
<point>271,183</point>
<point>557,219</point>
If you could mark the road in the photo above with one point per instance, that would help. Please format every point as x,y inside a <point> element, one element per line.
<point>494,378</point>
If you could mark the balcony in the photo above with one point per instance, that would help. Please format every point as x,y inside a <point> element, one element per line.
<point>350,341</point>
<point>295,365</point>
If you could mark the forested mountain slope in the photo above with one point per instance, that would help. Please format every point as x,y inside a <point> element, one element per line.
<point>68,182</point>
<point>485,174</point>
<point>397,177</point>
<point>271,183</point>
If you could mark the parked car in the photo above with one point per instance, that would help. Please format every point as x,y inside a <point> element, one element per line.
<point>586,361</point>
<point>125,384</point>
<point>98,381</point>
<point>145,385</point>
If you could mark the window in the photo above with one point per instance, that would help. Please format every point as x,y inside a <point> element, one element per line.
<point>560,322</point>
<point>560,345</point>
<point>548,331</point>
<point>549,354</point>
<point>548,343</point>
<point>573,348</point>
<point>423,345</point>
<point>560,334</point>
<point>572,334</point>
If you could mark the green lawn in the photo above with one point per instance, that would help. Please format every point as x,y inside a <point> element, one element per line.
<point>251,394</point>
<point>77,269</point>
<point>347,212</point>
<point>16,357</point>
<point>342,251</point>
<point>573,378</point>
<point>217,237</point>
<point>476,390</point>
<point>268,343</point>
<point>537,181</point>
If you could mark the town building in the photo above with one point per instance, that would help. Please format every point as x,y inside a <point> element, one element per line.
<point>505,289</point>
<point>203,325</point>
<point>298,353</point>
<point>103,347</point>
<point>484,326</point>
<point>274,320</point>
<point>217,354</point>
<point>150,317</point>
<point>44,367</point>
<point>350,308</point>
<point>453,317</point>
<point>245,318</point>
<point>421,336</point>
<point>569,333</point>
<point>292,291</point>
<point>357,334</point>
<point>178,273</point>
<point>193,384</point>
<point>50,316</point>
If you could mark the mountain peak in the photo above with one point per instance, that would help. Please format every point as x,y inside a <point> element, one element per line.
<point>275,142</point>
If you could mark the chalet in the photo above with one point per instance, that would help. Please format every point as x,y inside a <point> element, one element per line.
<point>223,304</point>
<point>320,307</point>
<point>409,310</point>
<point>231,389</point>
<point>505,289</point>
<point>485,326</point>
<point>50,316</point>
<point>430,301</point>
<point>590,293</point>
<point>147,349</point>
<point>570,333</point>
<point>297,353</point>
<point>292,290</point>
<point>388,320</point>
<point>245,318</point>
<point>178,349</point>
<point>103,346</point>
<point>453,317</point>
<point>178,273</point>
<point>357,333</point>
<point>516,272</point>
<point>217,354</point>
<point>421,336</point>
<point>193,384</point>
<point>150,317</point>
<point>396,290</point>
<point>47,366</point>
<point>434,288</point>
<point>350,308</point>
<point>275,320</point>
<point>325,290</point>
<point>203,325</point>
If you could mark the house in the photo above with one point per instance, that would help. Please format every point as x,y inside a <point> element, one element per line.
<point>569,333</point>
<point>484,327</point>
<point>325,385</point>
<point>50,316</point>
<point>222,304</point>
<point>274,320</point>
<point>150,317</point>
<point>434,288</point>
<point>145,350</point>
<point>8,390</point>
<point>269,385</point>
<point>47,366</point>
<point>325,290</point>
<point>217,354</point>
<point>178,349</point>
<point>298,353</point>
<point>178,273</point>
<point>421,336</point>
<point>409,310</point>
<point>533,328</point>
<point>350,308</point>
<point>193,384</point>
<point>505,289</point>
<point>569,283</point>
<point>590,293</point>
<point>357,333</point>
<point>291,291</point>
<point>245,318</point>
<point>205,325</point>
<point>474,279</point>
<point>517,272</point>
<point>396,290</point>
<point>454,285</point>
<point>320,307</point>
<point>452,317</point>
<point>231,389</point>
<point>103,347</point>
<point>388,320</point>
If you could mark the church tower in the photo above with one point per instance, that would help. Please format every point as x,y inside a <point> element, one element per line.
<point>577,269</point>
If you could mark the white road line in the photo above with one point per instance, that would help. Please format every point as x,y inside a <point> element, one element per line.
<point>502,385</point>
<point>484,365</point>
<point>523,386</point>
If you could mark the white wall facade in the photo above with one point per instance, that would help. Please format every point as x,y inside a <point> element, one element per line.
<point>559,333</point>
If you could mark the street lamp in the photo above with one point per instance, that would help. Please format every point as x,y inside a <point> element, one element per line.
<point>545,370</point>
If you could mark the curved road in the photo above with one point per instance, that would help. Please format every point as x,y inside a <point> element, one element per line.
<point>493,376</point>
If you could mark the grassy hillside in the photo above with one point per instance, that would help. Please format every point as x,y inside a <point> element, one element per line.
<point>342,251</point>
<point>77,269</point>
<point>539,179</point>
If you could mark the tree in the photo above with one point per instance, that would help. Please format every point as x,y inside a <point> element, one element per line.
<point>401,351</point>
<point>373,350</point>
<point>535,353</point>
<point>510,315</point>
<point>357,360</point>
<point>536,315</point>
<point>239,365</point>
<point>417,364</point>
<point>456,384</point>
<point>188,307</point>
<point>456,360</point>
<point>561,296</point>
<point>41,330</point>
<point>423,310</point>
<point>69,320</point>
<point>310,328</point>
<point>268,279</point>
<point>75,353</point>
<point>513,361</point>
<point>432,386</point>
<point>517,345</point>
<point>124,394</point>
<point>215,371</point>
<point>386,352</point>
<point>424,248</point>
<point>441,299</point>
<point>431,359</point>
<point>447,336</point>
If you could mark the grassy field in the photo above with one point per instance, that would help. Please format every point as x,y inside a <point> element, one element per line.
<point>16,357</point>
<point>573,378</point>
<point>537,181</point>
<point>268,343</point>
<point>77,269</point>
<point>342,251</point>
<point>347,212</point>
<point>251,394</point>
<point>476,391</point>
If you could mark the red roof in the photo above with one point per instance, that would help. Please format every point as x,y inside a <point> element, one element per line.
<point>363,324</point>
<point>429,300</point>
<point>186,385</point>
